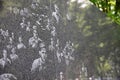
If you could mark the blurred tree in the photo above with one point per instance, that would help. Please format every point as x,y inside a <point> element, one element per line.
<point>111,7</point>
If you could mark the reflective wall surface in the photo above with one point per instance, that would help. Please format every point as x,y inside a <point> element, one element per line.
<point>56,40</point>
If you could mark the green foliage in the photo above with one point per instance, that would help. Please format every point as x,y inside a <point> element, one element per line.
<point>103,65</point>
<point>110,7</point>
